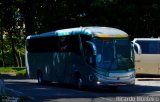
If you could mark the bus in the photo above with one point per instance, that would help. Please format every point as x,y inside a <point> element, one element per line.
<point>82,56</point>
<point>147,62</point>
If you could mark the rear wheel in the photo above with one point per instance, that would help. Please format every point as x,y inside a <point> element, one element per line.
<point>40,78</point>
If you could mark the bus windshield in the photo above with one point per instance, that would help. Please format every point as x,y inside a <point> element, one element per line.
<point>114,54</point>
<point>124,54</point>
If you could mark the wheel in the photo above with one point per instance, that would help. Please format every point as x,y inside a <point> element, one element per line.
<point>40,78</point>
<point>77,81</point>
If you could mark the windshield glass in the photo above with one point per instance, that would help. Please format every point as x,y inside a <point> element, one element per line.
<point>113,53</point>
<point>105,52</point>
<point>124,54</point>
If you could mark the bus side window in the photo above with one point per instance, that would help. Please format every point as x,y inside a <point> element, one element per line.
<point>47,44</point>
<point>84,38</point>
<point>74,44</point>
<point>63,43</point>
<point>158,47</point>
<point>149,47</point>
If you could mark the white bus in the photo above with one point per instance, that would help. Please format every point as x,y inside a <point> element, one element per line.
<point>148,60</point>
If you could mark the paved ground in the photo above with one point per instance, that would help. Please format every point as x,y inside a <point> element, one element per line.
<point>65,93</point>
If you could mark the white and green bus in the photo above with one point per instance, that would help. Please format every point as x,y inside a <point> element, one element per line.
<point>83,56</point>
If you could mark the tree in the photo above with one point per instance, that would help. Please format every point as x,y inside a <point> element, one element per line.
<point>11,24</point>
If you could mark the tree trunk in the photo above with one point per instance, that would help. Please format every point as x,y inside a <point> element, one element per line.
<point>30,17</point>
<point>20,59</point>
<point>13,49</point>
<point>2,49</point>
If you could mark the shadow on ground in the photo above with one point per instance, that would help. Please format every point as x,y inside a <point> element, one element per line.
<point>56,91</point>
<point>11,76</point>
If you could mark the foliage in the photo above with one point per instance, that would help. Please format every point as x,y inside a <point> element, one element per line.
<point>14,70</point>
<point>12,33</point>
<point>20,18</point>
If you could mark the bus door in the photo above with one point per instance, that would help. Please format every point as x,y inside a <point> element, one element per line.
<point>61,58</point>
<point>89,53</point>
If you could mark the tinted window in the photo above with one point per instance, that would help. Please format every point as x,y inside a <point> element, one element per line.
<point>45,44</point>
<point>54,44</point>
<point>70,43</point>
<point>74,44</point>
<point>149,47</point>
<point>85,38</point>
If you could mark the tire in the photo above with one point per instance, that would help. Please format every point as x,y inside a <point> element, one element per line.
<point>77,81</point>
<point>40,78</point>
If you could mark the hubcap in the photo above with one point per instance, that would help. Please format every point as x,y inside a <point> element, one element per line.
<point>39,78</point>
<point>80,83</point>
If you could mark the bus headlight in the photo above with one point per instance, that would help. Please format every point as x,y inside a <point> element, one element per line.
<point>98,82</point>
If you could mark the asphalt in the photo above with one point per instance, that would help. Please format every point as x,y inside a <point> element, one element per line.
<point>13,95</point>
<point>16,96</point>
<point>20,97</point>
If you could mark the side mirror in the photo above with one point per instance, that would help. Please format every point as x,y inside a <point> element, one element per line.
<point>137,48</point>
<point>90,53</point>
<point>93,47</point>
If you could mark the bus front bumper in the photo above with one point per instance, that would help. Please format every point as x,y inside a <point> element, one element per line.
<point>114,80</point>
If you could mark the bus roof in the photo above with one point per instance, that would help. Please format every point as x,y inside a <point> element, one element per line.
<point>102,32</point>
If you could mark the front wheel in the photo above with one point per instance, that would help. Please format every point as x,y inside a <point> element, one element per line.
<point>40,78</point>
<point>79,83</point>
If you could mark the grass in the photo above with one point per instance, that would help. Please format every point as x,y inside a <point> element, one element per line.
<point>13,70</point>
